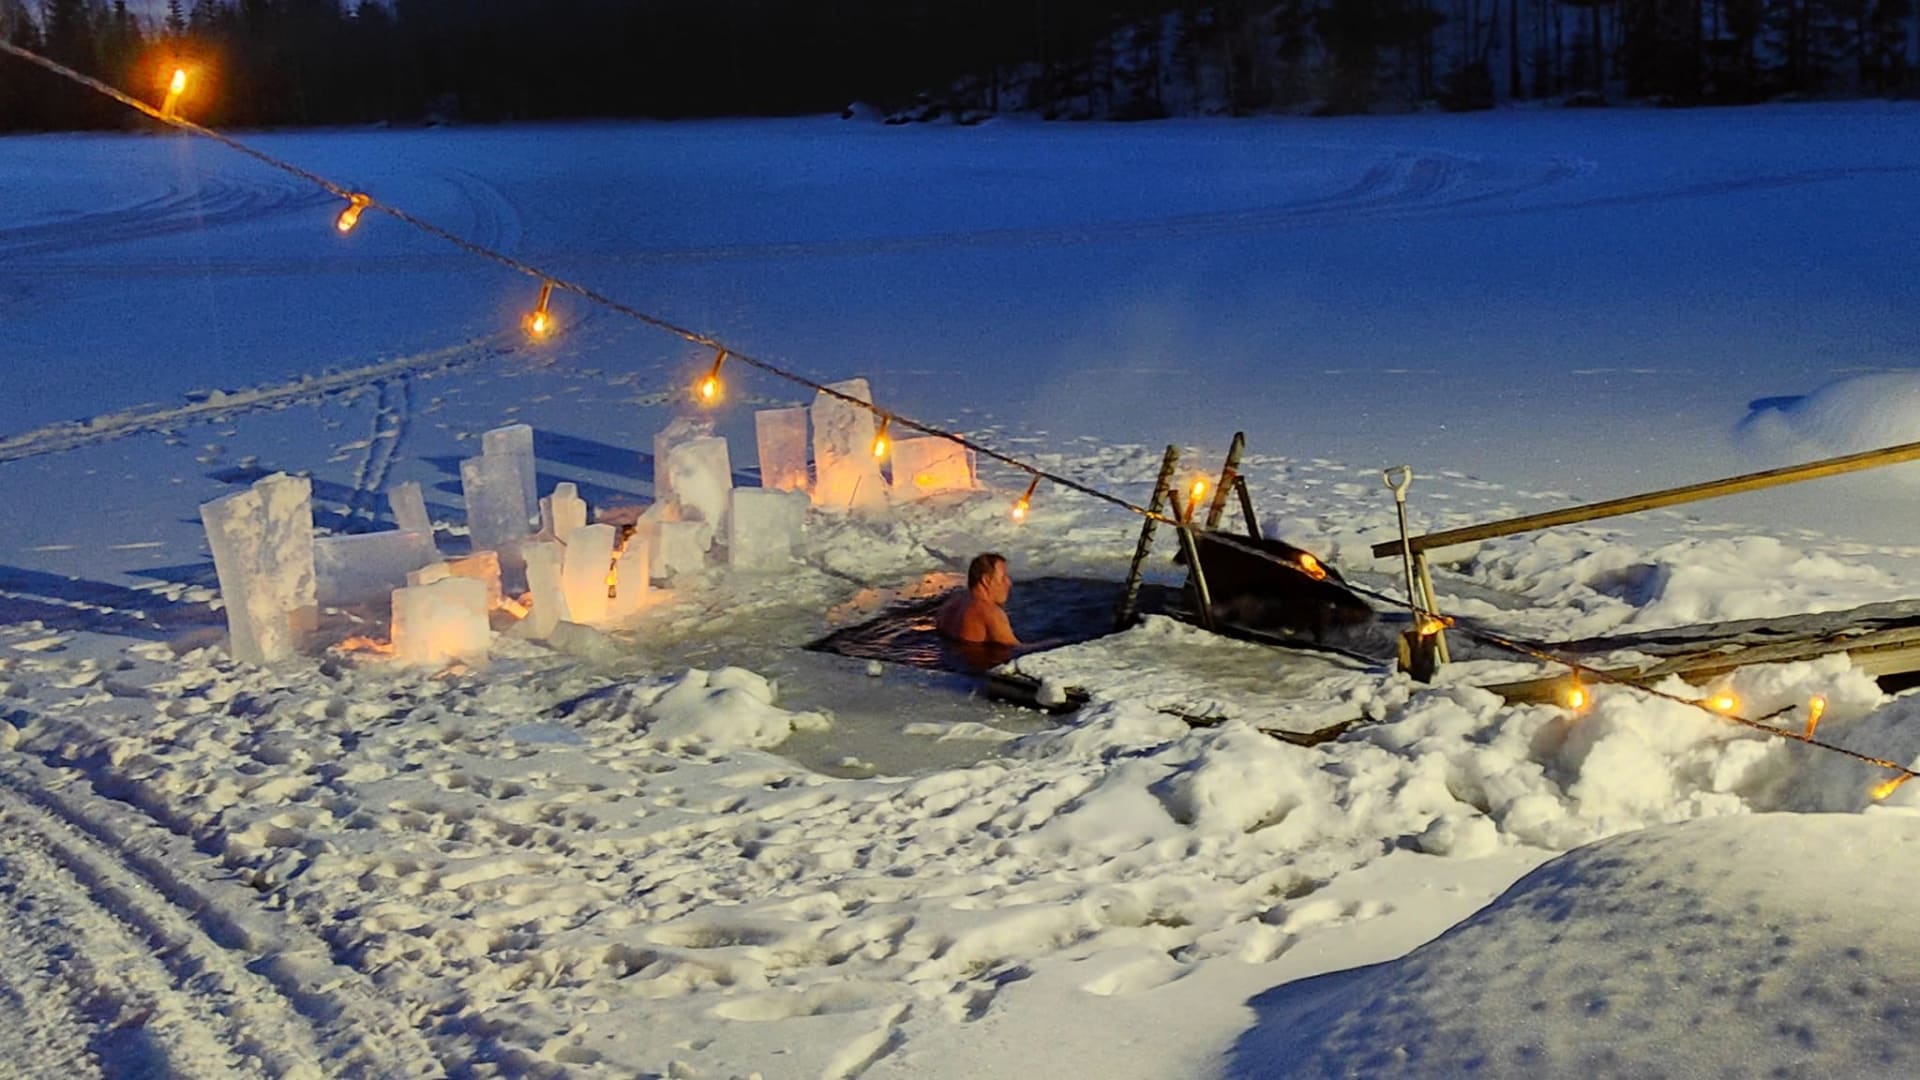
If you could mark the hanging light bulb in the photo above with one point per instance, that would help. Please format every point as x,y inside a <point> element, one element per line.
<point>351,215</point>
<point>1723,702</point>
<point>880,443</point>
<point>176,86</point>
<point>1576,697</point>
<point>539,321</point>
<point>1816,707</point>
<point>709,388</point>
<point>1024,503</point>
<point>1882,790</point>
<point>1311,566</point>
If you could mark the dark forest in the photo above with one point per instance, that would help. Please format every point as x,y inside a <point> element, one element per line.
<point>313,62</point>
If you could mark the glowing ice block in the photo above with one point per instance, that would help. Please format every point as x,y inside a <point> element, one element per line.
<point>631,580</point>
<point>763,531</point>
<point>562,512</point>
<point>584,572</point>
<point>515,442</point>
<point>366,568</point>
<point>444,621</point>
<point>846,474</point>
<point>782,438</point>
<point>544,561</point>
<point>678,430</point>
<point>701,474</point>
<point>930,466</point>
<point>262,543</point>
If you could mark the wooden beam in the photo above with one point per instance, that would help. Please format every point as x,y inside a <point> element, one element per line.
<point>1882,652</point>
<point>1653,500</point>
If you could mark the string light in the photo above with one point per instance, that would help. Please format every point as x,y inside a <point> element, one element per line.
<point>539,321</point>
<point>1025,502</point>
<point>1576,697</point>
<point>1311,566</point>
<point>709,388</point>
<point>351,215</point>
<point>880,443</point>
<point>1816,707</point>
<point>175,87</point>
<point>1723,702</point>
<point>1882,790</point>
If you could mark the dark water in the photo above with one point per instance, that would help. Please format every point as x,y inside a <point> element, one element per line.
<point>1047,611</point>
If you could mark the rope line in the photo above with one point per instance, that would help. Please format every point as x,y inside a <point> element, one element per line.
<point>585,292</point>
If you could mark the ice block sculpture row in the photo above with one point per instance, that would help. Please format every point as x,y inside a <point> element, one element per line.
<point>262,543</point>
<point>849,476</point>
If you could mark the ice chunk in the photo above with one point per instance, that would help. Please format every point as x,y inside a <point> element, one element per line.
<point>846,474</point>
<point>589,559</point>
<point>287,502</point>
<point>429,574</point>
<point>701,474</point>
<point>367,568</point>
<point>544,560</point>
<point>496,503</point>
<point>515,442</point>
<point>562,512</point>
<point>930,466</point>
<point>680,547</point>
<point>782,438</point>
<point>678,430</point>
<point>631,572</point>
<point>444,621</point>
<point>764,528</point>
<point>484,567</point>
<point>409,506</point>
<point>262,543</point>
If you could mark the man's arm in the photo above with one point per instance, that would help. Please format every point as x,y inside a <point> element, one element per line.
<point>999,629</point>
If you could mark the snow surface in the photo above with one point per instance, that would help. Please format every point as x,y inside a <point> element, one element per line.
<point>690,849</point>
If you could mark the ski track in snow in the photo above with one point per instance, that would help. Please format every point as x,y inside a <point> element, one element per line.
<point>213,202</point>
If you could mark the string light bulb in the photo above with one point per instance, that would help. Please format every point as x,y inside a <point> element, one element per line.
<point>1311,566</point>
<point>880,443</point>
<point>1024,503</point>
<point>1816,707</point>
<point>709,388</point>
<point>539,321</point>
<point>176,86</point>
<point>1882,790</point>
<point>1723,702</point>
<point>1576,697</point>
<point>350,217</point>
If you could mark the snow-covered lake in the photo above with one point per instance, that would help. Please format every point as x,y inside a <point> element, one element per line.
<point>613,864</point>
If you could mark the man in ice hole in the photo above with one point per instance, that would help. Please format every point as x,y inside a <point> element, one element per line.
<point>978,616</point>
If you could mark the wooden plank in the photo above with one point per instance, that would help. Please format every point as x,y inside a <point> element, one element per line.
<point>1884,652</point>
<point>1129,604</point>
<point>1228,474</point>
<point>1653,500</point>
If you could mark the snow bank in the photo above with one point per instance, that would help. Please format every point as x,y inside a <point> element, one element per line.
<point>704,713</point>
<point>1775,943</point>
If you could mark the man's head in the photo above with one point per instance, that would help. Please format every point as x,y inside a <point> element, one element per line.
<point>988,572</point>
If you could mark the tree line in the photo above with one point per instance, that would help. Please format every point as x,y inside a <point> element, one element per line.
<point>312,62</point>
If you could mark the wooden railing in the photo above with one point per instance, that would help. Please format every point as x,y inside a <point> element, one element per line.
<point>1653,500</point>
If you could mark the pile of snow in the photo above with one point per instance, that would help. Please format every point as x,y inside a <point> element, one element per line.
<point>1776,945</point>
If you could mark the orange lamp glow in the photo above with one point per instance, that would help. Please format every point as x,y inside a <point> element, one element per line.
<point>1816,707</point>
<point>1312,567</point>
<point>1723,702</point>
<point>880,443</point>
<point>1882,790</point>
<point>351,215</point>
<point>710,387</point>
<point>1576,698</point>
<point>539,321</point>
<point>1025,502</point>
<point>176,86</point>
<point>1198,489</point>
